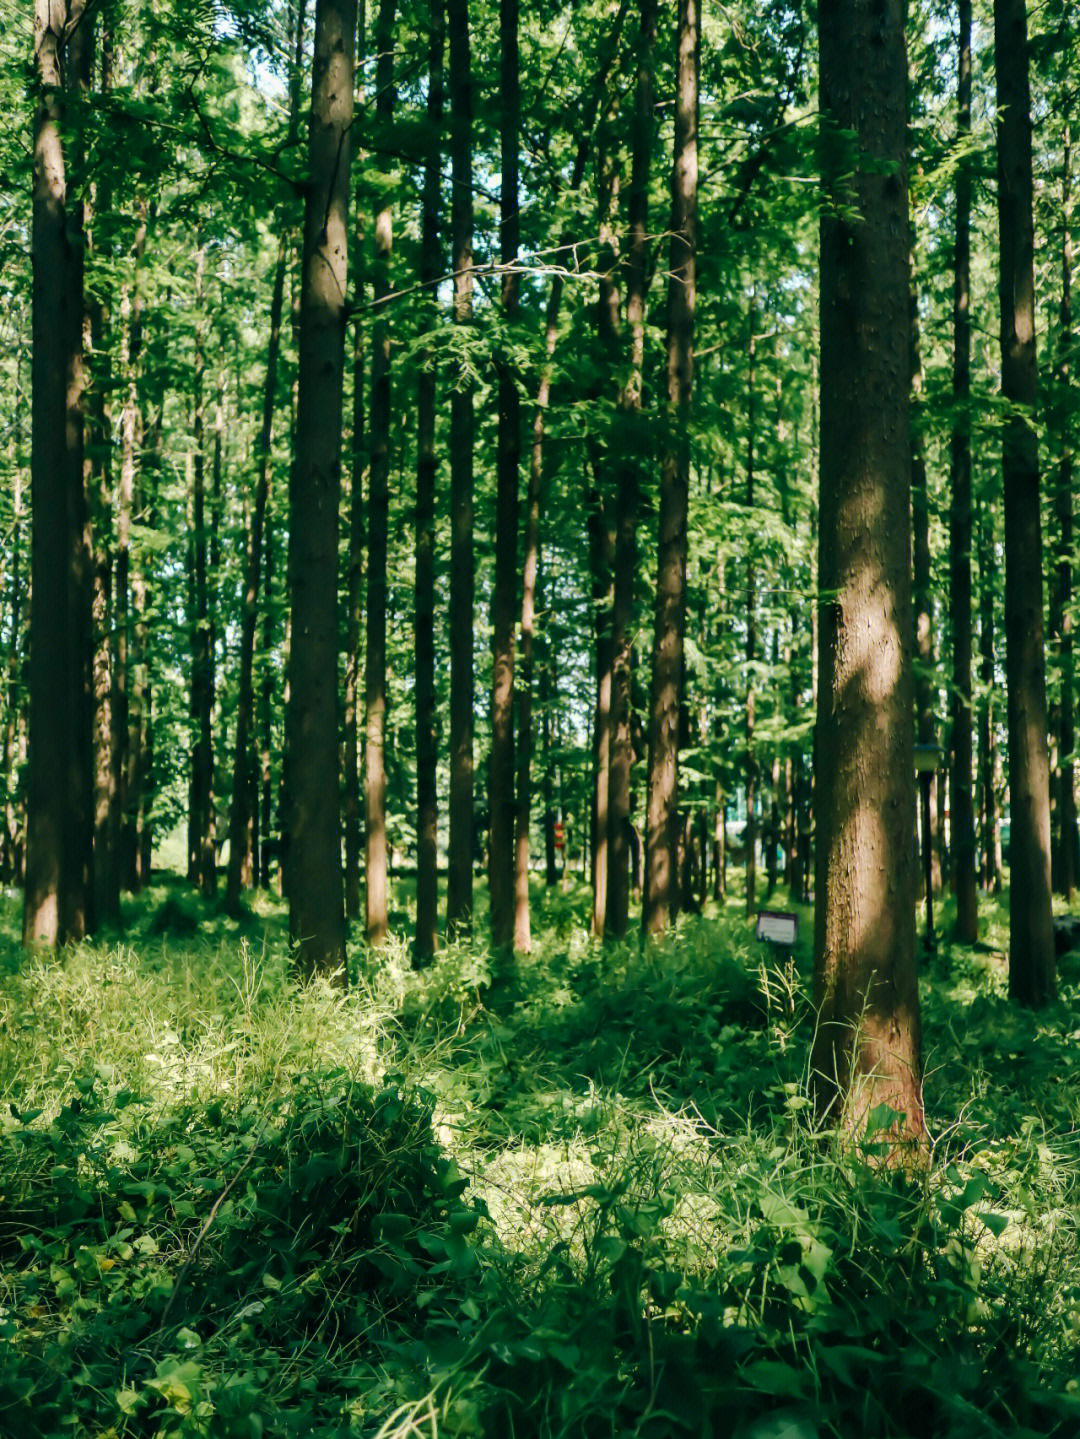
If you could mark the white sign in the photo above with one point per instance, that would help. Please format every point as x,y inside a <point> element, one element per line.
<point>777,927</point>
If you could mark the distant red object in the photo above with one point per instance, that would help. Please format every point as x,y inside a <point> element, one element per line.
<point>558,836</point>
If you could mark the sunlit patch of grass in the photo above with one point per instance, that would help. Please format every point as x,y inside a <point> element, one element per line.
<point>601,1203</point>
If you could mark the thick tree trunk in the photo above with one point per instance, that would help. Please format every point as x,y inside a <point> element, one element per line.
<point>867,1046</point>
<point>242,815</point>
<point>1066,859</point>
<point>962,799</point>
<point>1032,979</point>
<point>665,697</point>
<point>504,592</point>
<point>378,515</point>
<point>462,431</point>
<point>316,903</point>
<point>427,812</point>
<point>627,483</point>
<point>58,895</point>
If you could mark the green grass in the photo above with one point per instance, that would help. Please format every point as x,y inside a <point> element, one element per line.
<point>587,1201</point>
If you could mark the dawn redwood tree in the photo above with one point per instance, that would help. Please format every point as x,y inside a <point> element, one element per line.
<point>501,804</point>
<point>316,907</point>
<point>427,814</point>
<point>867,1045</point>
<point>666,689</point>
<point>58,893</point>
<point>379,509</point>
<point>459,880</point>
<point>962,794</point>
<point>1032,980</point>
<point>616,916</point>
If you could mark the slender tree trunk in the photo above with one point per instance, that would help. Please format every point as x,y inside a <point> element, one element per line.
<point>750,833</point>
<point>926,660</point>
<point>316,901</point>
<point>600,558</point>
<point>379,514</point>
<point>200,779</point>
<point>12,818</point>
<point>427,813</point>
<point>1066,859</point>
<point>1032,979</point>
<point>504,592</point>
<point>242,814</point>
<point>633,442</point>
<point>58,896</point>
<point>987,758</point>
<point>962,800</point>
<point>867,1046</point>
<point>354,590</point>
<point>462,430</point>
<point>665,698</point>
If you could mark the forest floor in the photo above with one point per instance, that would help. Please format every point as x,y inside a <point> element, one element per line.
<point>588,1202</point>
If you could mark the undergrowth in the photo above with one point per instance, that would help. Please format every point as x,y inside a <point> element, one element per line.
<point>586,1200</point>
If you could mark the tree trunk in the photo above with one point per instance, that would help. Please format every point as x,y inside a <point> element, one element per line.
<point>925,687</point>
<point>503,598</point>
<point>867,1048</point>
<point>1032,979</point>
<point>987,758</point>
<point>600,561</point>
<point>316,906</point>
<point>750,833</point>
<point>427,813</point>
<point>462,430</point>
<point>962,801</point>
<point>242,814</point>
<point>58,896</point>
<point>1066,859</point>
<point>378,514</point>
<point>665,698</point>
<point>632,443</point>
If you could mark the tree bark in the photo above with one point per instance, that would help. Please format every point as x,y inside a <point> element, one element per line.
<point>427,813</point>
<point>751,773</point>
<point>58,894</point>
<point>316,906</point>
<point>925,686</point>
<point>504,591</point>
<point>991,869</point>
<point>962,800</point>
<point>201,871</point>
<point>665,698</point>
<point>1032,980</point>
<point>867,1047</point>
<point>627,483</point>
<point>378,514</point>
<point>462,430</point>
<point>1065,866</point>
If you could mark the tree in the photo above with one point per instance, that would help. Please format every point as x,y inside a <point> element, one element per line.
<point>427,874</point>
<point>58,894</point>
<point>316,907</point>
<point>962,800</point>
<point>666,689</point>
<point>1031,938</point>
<point>378,508</point>
<point>462,429</point>
<point>627,484</point>
<point>867,1046</point>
